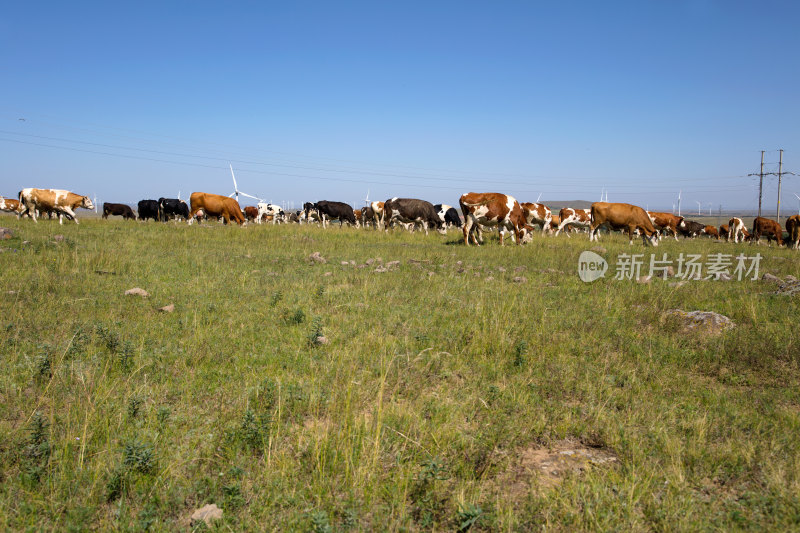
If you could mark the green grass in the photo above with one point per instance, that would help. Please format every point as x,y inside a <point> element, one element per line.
<point>413,416</point>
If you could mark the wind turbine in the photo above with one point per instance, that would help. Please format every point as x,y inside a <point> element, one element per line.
<point>95,203</point>
<point>236,192</point>
<point>698,208</point>
<point>538,198</point>
<point>798,203</point>
<point>366,200</point>
<point>679,203</point>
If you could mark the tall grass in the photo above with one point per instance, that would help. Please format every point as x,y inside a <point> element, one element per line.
<point>436,376</point>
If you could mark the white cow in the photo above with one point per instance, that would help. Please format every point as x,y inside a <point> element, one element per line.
<point>272,210</point>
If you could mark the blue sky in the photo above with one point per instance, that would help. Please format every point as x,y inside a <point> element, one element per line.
<point>329,100</point>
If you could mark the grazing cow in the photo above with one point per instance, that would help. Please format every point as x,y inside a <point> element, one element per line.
<point>170,208</point>
<point>251,213</point>
<point>691,229</point>
<point>122,210</point>
<point>294,217</point>
<point>216,205</point>
<point>10,205</point>
<point>574,217</point>
<point>537,214</point>
<point>411,212</point>
<point>554,223</point>
<point>736,230</point>
<point>448,215</point>
<point>793,227</point>
<point>57,200</point>
<point>327,210</point>
<point>149,209</point>
<point>377,214</point>
<point>368,216</point>
<point>271,210</point>
<point>359,217</point>
<point>711,231</point>
<point>491,209</point>
<point>619,216</point>
<point>768,227</point>
<point>664,222</point>
<point>723,232</point>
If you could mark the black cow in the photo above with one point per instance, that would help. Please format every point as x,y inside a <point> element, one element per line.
<point>122,210</point>
<point>368,216</point>
<point>691,229</point>
<point>411,211</point>
<point>448,215</point>
<point>171,208</point>
<point>331,211</point>
<point>149,209</point>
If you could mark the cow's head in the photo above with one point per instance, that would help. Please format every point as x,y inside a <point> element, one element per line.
<point>681,223</point>
<point>526,232</point>
<point>86,203</point>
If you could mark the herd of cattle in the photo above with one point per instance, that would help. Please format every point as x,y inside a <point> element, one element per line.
<point>479,211</point>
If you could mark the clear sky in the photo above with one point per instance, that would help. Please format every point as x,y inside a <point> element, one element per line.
<point>330,100</point>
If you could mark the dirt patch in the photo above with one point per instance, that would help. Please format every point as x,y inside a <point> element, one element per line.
<point>539,468</point>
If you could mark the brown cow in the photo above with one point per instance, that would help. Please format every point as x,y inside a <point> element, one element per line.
<point>10,205</point>
<point>666,222</point>
<point>768,227</point>
<point>711,231</point>
<point>623,217</point>
<point>793,227</point>
<point>118,210</point>
<point>216,205</point>
<point>537,214</point>
<point>723,231</point>
<point>491,209</point>
<point>359,217</point>
<point>251,212</point>
<point>52,200</point>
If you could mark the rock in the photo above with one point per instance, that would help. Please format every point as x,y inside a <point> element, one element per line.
<point>392,264</point>
<point>381,269</point>
<point>519,279</point>
<point>431,273</point>
<point>501,269</point>
<point>6,233</point>
<point>136,291</point>
<point>769,277</point>
<point>701,321</point>
<point>345,263</point>
<point>370,261</point>
<point>326,274</point>
<point>677,284</point>
<point>599,249</point>
<point>791,278</point>
<point>519,268</point>
<point>489,278</point>
<point>167,308</point>
<point>644,279</point>
<point>725,277</point>
<point>207,514</point>
<point>790,288</point>
<point>58,238</point>
<point>670,273</point>
<point>317,258</point>
<point>322,339</point>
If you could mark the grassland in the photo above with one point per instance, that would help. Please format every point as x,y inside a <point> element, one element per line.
<point>439,377</point>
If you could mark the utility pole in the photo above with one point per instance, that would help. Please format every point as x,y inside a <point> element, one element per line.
<point>780,173</point>
<point>761,183</point>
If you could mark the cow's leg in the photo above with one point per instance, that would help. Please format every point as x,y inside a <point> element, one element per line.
<point>467,229</point>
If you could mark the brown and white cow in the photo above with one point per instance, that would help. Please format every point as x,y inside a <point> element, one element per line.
<point>55,200</point>
<point>768,227</point>
<point>10,205</point>
<point>251,213</point>
<point>537,214</point>
<point>216,205</point>
<point>711,231</point>
<point>793,227</point>
<point>491,209</point>
<point>359,214</point>
<point>664,222</point>
<point>377,214</point>
<point>620,216</point>
<point>574,217</point>
<point>736,229</point>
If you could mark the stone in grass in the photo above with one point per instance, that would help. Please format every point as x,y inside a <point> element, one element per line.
<point>520,279</point>
<point>770,277</point>
<point>790,288</point>
<point>701,321</point>
<point>317,258</point>
<point>321,339</point>
<point>136,291</point>
<point>6,233</point>
<point>167,308</point>
<point>208,513</point>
